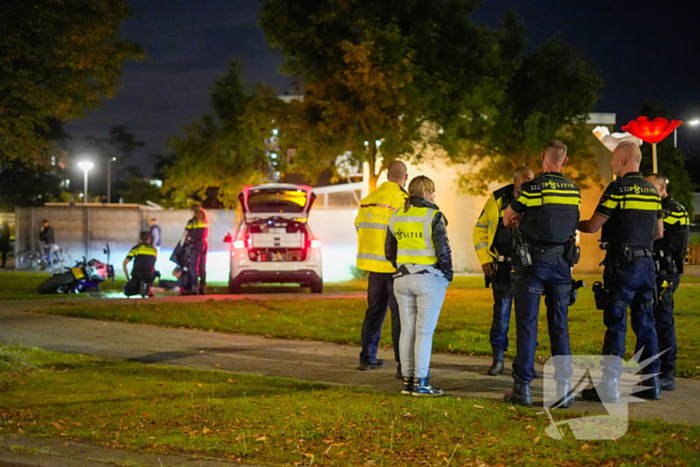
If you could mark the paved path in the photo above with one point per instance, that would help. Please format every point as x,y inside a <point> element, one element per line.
<point>305,360</point>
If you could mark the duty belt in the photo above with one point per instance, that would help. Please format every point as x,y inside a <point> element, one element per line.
<point>554,249</point>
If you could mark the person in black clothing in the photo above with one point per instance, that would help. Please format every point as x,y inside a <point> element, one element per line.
<point>547,214</point>
<point>630,215</point>
<point>144,256</point>
<point>669,253</point>
<point>4,241</point>
<point>196,233</point>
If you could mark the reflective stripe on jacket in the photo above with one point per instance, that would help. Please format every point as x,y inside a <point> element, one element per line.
<point>371,224</point>
<point>414,235</point>
<point>487,225</point>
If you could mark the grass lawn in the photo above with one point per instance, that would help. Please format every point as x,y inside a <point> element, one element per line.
<point>463,327</point>
<point>278,421</point>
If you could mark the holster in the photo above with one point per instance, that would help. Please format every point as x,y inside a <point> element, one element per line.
<point>572,252</point>
<point>600,293</point>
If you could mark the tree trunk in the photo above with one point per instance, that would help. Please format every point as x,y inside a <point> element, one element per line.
<point>372,161</point>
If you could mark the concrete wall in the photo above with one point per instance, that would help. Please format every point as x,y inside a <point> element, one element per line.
<point>84,230</point>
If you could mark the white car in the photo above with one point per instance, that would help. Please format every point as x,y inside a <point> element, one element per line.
<point>273,242</point>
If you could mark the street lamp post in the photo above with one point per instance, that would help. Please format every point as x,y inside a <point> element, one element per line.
<point>109,178</point>
<point>675,132</point>
<point>85,165</point>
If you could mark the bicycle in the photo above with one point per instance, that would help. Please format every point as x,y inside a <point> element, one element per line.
<point>34,259</point>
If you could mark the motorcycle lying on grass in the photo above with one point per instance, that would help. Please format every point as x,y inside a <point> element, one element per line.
<point>85,276</point>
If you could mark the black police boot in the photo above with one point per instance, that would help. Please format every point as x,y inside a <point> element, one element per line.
<point>520,394</point>
<point>365,365</point>
<point>202,289</point>
<point>398,374</point>
<point>667,381</point>
<point>498,364</point>
<point>608,390</point>
<point>407,386</point>
<point>536,374</point>
<point>422,388</point>
<point>654,389</point>
<point>564,396</point>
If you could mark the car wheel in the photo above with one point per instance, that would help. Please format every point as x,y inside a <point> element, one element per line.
<point>317,286</point>
<point>234,286</point>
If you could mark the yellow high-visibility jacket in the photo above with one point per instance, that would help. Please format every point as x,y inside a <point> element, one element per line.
<point>414,235</point>
<point>487,224</point>
<point>371,224</point>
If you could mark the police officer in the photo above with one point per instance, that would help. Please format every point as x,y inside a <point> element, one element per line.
<point>547,212</point>
<point>493,242</point>
<point>630,214</point>
<point>143,271</point>
<point>669,253</point>
<point>196,233</point>
<point>371,224</point>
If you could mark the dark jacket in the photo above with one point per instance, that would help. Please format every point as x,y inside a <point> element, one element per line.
<point>46,235</point>
<point>442,244</point>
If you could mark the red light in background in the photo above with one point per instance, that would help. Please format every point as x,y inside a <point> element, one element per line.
<point>651,132</point>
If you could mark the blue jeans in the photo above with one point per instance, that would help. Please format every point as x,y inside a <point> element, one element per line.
<point>420,298</point>
<point>550,274</point>
<point>380,296</point>
<point>502,306</point>
<point>631,284</point>
<point>665,323</point>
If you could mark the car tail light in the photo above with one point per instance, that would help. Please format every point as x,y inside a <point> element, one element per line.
<point>239,244</point>
<point>315,243</point>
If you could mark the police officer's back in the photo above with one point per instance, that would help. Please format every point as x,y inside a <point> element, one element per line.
<point>630,214</point>
<point>144,256</point>
<point>547,212</point>
<point>669,253</point>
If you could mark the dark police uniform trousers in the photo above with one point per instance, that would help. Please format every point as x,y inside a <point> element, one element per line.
<point>380,295</point>
<point>549,205</point>
<point>632,207</point>
<point>674,246</point>
<point>198,231</point>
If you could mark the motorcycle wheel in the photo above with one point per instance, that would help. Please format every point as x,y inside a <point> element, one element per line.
<point>53,283</point>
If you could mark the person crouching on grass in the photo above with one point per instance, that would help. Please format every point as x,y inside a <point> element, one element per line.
<point>417,246</point>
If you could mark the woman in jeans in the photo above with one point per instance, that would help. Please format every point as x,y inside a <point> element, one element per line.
<point>417,245</point>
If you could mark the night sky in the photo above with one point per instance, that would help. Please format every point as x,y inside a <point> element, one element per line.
<point>645,49</point>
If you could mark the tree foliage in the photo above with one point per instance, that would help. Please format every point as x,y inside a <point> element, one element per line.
<point>389,79</point>
<point>58,59</point>
<point>377,73</point>
<point>225,150</point>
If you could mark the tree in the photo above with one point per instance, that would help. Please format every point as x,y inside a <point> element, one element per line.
<point>379,76</point>
<point>671,162</point>
<point>389,79</point>
<point>549,95</point>
<point>58,59</point>
<point>25,186</point>
<point>225,150</point>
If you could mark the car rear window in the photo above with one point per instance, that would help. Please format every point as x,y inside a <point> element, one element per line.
<point>276,200</point>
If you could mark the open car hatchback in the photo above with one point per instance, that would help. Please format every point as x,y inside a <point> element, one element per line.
<point>274,242</point>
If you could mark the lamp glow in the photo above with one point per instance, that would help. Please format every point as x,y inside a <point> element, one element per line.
<point>86,166</point>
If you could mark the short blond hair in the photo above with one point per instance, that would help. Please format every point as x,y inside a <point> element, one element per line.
<point>556,150</point>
